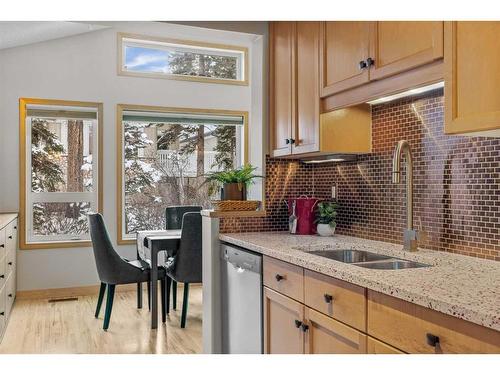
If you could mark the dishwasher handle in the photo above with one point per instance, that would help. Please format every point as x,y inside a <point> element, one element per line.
<point>242,259</point>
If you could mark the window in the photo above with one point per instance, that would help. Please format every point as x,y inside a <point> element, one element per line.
<point>60,171</point>
<point>164,156</point>
<point>183,60</point>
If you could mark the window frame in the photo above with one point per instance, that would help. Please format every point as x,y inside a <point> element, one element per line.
<point>120,191</point>
<point>185,43</point>
<point>24,163</point>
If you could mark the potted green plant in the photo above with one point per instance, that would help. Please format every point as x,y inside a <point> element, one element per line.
<point>234,182</point>
<point>326,213</point>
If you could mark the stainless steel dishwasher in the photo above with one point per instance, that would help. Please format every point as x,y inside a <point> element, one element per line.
<point>242,330</point>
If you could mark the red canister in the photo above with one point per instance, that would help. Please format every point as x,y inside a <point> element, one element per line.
<point>305,212</point>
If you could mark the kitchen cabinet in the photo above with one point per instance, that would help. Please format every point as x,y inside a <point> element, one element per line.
<point>354,53</point>
<point>324,335</point>
<point>314,313</point>
<point>472,79</point>
<point>282,324</point>
<point>416,329</point>
<point>397,46</point>
<point>294,54</point>
<point>344,50</point>
<point>8,248</point>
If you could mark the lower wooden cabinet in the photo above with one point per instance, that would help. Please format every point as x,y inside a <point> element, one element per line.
<point>282,324</point>
<point>324,335</point>
<point>292,328</point>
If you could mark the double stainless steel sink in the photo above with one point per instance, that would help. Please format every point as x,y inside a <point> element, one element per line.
<point>367,259</point>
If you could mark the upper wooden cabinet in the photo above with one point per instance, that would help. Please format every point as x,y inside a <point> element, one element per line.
<point>344,49</point>
<point>397,46</point>
<point>295,124</point>
<point>356,53</point>
<point>472,77</point>
<point>294,87</point>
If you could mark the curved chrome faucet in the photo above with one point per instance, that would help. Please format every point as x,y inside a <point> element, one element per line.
<point>410,234</point>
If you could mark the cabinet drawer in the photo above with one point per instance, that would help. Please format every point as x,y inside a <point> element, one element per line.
<point>336,298</point>
<point>325,335</point>
<point>3,310</point>
<point>3,271</point>
<point>10,262</point>
<point>11,236</point>
<point>10,291</point>
<point>378,347</point>
<point>3,245</point>
<point>285,278</point>
<point>406,326</point>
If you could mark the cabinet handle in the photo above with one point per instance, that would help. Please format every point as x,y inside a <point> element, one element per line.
<point>279,277</point>
<point>10,237</point>
<point>292,141</point>
<point>287,141</point>
<point>2,276</point>
<point>328,298</point>
<point>2,313</point>
<point>370,62</point>
<point>298,323</point>
<point>304,327</point>
<point>432,340</point>
<point>362,65</point>
<point>10,295</point>
<point>15,227</point>
<point>10,263</point>
<point>2,245</point>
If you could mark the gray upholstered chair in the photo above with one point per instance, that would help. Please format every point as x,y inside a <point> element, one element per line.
<point>185,265</point>
<point>173,220</point>
<point>114,270</point>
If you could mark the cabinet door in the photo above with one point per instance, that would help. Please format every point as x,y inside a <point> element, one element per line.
<point>397,46</point>
<point>343,46</point>
<point>472,77</point>
<point>378,347</point>
<point>325,335</point>
<point>282,319</point>
<point>281,47</point>
<point>305,132</point>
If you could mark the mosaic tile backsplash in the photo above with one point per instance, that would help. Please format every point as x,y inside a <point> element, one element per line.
<point>456,184</point>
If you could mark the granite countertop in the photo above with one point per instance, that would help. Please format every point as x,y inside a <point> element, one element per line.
<point>6,218</point>
<point>457,285</point>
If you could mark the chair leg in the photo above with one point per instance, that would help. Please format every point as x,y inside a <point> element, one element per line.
<point>149,295</point>
<point>174,294</point>
<point>169,286</point>
<point>139,295</point>
<point>102,290</point>
<point>185,305</point>
<point>109,306</point>
<point>163,297</point>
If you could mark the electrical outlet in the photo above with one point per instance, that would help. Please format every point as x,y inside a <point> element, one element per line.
<point>334,191</point>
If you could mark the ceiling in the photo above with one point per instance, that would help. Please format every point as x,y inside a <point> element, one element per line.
<point>19,33</point>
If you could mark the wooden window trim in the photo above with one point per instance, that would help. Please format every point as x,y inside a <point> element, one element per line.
<point>23,102</point>
<point>120,108</point>
<point>175,77</point>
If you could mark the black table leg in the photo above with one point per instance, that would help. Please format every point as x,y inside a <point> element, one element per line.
<point>154,283</point>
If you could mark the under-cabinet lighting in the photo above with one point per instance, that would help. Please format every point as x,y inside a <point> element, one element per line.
<point>323,161</point>
<point>415,91</point>
<point>335,158</point>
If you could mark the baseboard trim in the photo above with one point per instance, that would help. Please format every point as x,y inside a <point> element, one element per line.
<point>76,291</point>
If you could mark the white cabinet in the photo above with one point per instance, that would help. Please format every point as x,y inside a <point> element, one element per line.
<point>8,248</point>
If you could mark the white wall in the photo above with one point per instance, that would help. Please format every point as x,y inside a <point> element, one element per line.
<point>84,68</point>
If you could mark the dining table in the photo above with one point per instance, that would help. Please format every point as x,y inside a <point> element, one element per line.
<point>154,242</point>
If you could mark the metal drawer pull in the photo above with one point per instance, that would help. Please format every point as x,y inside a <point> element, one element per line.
<point>2,276</point>
<point>328,298</point>
<point>9,295</point>
<point>10,237</point>
<point>2,245</point>
<point>304,327</point>
<point>298,323</point>
<point>2,313</point>
<point>433,341</point>
<point>279,277</point>
<point>10,263</point>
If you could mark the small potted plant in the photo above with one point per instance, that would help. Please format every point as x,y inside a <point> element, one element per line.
<point>234,182</point>
<point>326,214</point>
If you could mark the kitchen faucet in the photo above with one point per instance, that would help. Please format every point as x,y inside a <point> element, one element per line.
<point>410,234</point>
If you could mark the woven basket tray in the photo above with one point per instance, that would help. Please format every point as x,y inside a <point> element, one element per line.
<point>235,205</point>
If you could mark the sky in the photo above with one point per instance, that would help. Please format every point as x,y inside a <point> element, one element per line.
<point>146,59</point>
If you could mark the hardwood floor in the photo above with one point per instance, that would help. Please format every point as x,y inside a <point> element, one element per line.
<point>37,326</point>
